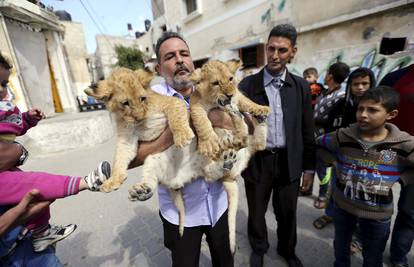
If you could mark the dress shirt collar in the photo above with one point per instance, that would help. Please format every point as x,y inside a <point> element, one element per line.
<point>267,77</point>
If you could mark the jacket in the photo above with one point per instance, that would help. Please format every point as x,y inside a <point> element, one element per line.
<point>298,122</point>
<point>365,176</point>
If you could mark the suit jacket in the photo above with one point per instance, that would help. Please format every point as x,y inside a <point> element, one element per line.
<point>298,121</point>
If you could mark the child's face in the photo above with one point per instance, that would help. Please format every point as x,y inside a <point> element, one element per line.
<point>4,80</point>
<point>372,115</point>
<point>310,77</point>
<point>360,85</point>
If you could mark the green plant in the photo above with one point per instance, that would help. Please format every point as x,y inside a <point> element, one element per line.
<point>129,57</point>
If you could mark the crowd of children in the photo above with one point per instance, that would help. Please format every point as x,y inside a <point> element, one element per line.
<point>361,155</point>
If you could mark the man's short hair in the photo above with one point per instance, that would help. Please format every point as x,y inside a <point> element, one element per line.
<point>339,71</point>
<point>284,30</point>
<point>5,63</point>
<point>164,37</point>
<point>385,95</point>
<point>311,71</point>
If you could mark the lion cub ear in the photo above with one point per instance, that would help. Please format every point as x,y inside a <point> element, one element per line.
<point>234,65</point>
<point>99,91</point>
<point>145,76</point>
<point>196,76</point>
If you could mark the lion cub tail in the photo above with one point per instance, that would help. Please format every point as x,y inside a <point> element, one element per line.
<point>177,198</point>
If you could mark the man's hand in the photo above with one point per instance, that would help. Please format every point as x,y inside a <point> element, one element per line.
<point>307,181</point>
<point>36,114</point>
<point>27,208</point>
<point>220,119</point>
<point>164,141</point>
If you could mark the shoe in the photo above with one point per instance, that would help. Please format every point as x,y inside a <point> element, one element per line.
<point>292,261</point>
<point>52,235</point>
<point>96,178</point>
<point>256,260</point>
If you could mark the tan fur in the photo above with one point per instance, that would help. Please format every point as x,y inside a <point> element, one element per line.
<point>217,88</point>
<point>126,93</point>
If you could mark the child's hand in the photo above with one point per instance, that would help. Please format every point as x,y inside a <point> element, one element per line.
<point>36,113</point>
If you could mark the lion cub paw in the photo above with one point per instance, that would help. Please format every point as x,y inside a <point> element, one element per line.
<point>183,137</point>
<point>229,158</point>
<point>110,185</point>
<point>263,110</point>
<point>140,192</point>
<point>209,147</point>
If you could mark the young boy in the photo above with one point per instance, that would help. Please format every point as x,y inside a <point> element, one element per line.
<point>327,108</point>
<point>311,76</point>
<point>370,157</point>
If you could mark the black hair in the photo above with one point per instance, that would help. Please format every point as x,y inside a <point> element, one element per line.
<point>284,30</point>
<point>164,37</point>
<point>311,71</point>
<point>339,71</point>
<point>359,72</point>
<point>5,63</point>
<point>386,95</point>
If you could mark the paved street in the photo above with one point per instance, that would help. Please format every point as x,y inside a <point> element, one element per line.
<point>112,231</point>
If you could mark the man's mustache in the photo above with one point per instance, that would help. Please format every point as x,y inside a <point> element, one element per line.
<point>181,67</point>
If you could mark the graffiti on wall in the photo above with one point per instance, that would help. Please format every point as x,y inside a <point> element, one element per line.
<point>379,64</point>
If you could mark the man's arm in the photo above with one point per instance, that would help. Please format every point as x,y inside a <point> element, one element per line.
<point>308,127</point>
<point>27,208</point>
<point>9,155</point>
<point>218,118</point>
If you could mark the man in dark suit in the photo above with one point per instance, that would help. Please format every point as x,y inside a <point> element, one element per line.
<point>290,147</point>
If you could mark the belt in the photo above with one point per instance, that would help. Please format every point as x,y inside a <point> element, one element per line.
<point>276,150</point>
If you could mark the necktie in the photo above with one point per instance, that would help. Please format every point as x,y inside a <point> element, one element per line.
<point>277,82</point>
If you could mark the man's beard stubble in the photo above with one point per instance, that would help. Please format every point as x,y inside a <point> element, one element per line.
<point>179,82</point>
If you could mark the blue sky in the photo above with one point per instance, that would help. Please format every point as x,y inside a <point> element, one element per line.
<point>111,16</point>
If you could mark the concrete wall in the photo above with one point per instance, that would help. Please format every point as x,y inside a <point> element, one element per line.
<point>69,131</point>
<point>320,48</point>
<point>310,12</point>
<point>76,52</point>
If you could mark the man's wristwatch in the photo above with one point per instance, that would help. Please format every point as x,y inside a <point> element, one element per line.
<point>23,156</point>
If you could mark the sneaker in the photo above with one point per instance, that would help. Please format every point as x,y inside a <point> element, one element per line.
<point>96,178</point>
<point>52,235</point>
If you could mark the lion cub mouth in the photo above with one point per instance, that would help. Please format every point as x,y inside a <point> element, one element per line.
<point>224,102</point>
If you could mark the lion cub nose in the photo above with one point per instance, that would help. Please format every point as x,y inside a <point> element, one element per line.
<point>229,96</point>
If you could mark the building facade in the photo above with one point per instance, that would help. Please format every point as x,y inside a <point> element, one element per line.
<point>349,31</point>
<point>31,38</point>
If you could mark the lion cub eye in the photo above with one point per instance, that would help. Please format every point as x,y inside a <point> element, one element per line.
<point>125,103</point>
<point>215,83</point>
<point>231,79</point>
<point>142,98</point>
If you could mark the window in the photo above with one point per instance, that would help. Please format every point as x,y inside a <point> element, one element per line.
<point>252,56</point>
<point>191,6</point>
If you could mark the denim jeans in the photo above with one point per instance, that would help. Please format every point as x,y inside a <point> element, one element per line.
<point>374,236</point>
<point>24,255</point>
<point>403,232</point>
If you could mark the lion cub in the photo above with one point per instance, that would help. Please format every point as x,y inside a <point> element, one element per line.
<point>216,87</point>
<point>140,114</point>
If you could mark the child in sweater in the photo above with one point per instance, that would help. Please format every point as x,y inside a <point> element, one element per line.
<point>370,157</point>
<point>14,183</point>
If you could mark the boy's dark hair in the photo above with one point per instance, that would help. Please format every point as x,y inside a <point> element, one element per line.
<point>386,95</point>
<point>5,63</point>
<point>339,71</point>
<point>310,71</point>
<point>164,37</point>
<point>284,30</point>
